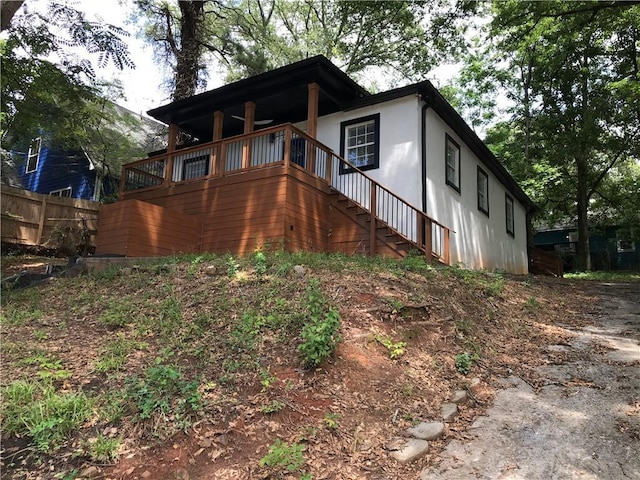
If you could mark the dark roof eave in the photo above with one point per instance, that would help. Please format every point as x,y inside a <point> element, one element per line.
<point>440,105</point>
<point>315,67</point>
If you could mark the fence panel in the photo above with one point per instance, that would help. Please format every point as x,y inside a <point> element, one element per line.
<point>31,219</point>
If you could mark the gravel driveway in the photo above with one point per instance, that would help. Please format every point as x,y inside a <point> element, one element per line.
<point>584,423</point>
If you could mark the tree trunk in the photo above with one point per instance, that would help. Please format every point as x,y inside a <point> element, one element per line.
<point>7,11</point>
<point>188,57</point>
<point>582,200</point>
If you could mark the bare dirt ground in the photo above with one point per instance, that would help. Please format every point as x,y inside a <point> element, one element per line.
<point>583,423</point>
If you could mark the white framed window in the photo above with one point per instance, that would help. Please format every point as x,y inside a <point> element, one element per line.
<point>508,208</point>
<point>483,191</point>
<point>360,142</point>
<point>34,155</point>
<point>63,192</point>
<point>452,163</point>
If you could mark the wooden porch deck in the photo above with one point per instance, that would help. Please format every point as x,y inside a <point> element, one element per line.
<point>275,186</point>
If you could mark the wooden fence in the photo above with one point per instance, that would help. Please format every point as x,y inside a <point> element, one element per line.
<point>34,220</point>
<point>542,262</point>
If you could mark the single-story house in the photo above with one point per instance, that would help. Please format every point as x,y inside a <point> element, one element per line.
<point>303,157</point>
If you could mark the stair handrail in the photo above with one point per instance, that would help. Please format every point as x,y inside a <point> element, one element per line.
<point>424,223</point>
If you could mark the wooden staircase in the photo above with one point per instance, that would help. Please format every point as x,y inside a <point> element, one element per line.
<point>385,236</point>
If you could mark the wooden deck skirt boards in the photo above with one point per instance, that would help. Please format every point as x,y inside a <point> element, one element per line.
<point>276,207</point>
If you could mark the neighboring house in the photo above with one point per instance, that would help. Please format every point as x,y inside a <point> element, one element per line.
<point>305,158</point>
<point>64,173</point>
<point>90,172</point>
<point>609,251</point>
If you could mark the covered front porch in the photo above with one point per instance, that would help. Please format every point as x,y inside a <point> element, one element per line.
<point>245,183</point>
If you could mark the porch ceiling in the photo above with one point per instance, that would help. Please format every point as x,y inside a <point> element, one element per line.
<point>279,95</point>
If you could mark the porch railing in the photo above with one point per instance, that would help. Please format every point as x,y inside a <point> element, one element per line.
<point>291,147</point>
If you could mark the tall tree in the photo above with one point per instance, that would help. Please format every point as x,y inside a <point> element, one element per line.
<point>578,115</point>
<point>177,31</point>
<point>249,37</point>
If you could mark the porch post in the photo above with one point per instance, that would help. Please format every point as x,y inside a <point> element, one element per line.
<point>171,147</point>
<point>447,246</point>
<point>249,116</point>
<point>312,123</point>
<point>312,110</point>
<point>428,239</point>
<point>218,118</point>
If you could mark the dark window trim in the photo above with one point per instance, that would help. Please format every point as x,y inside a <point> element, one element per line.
<point>510,228</point>
<point>194,160</point>
<point>343,126</point>
<point>448,139</point>
<point>484,174</point>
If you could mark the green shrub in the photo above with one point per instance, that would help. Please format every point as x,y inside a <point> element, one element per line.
<point>320,334</point>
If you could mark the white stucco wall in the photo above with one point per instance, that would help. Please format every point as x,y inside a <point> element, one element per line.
<point>400,161</point>
<point>479,242</point>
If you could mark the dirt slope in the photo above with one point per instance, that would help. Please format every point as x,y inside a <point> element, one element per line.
<point>232,326</point>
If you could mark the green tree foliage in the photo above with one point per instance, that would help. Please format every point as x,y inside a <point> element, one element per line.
<point>44,82</point>
<point>575,134</point>
<point>49,90</point>
<point>248,37</point>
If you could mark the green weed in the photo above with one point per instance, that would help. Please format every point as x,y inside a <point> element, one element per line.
<point>260,264</point>
<point>266,379</point>
<point>162,391</point>
<point>194,265</point>
<point>114,356</point>
<point>396,305</point>
<point>102,449</point>
<point>112,405</point>
<point>320,334</point>
<point>118,313</point>
<point>284,456</point>
<point>21,307</point>
<point>605,276</point>
<point>330,421</point>
<point>233,266</point>
<point>532,305</point>
<point>37,410</point>
<point>40,335</point>
<point>396,349</point>
<point>462,327</point>
<point>273,407</point>
<point>48,367</point>
<point>464,362</point>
